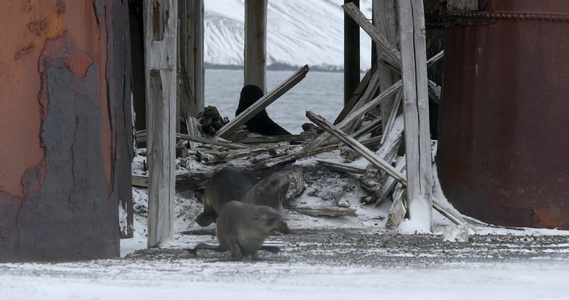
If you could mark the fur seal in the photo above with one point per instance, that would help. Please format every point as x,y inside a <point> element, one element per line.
<point>242,228</point>
<point>271,191</point>
<point>225,185</point>
<point>230,184</point>
<point>260,123</point>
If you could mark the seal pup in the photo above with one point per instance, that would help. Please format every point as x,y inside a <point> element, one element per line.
<point>225,185</point>
<point>260,123</point>
<point>243,228</point>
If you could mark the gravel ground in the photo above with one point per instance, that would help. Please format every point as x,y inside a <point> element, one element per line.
<point>357,247</point>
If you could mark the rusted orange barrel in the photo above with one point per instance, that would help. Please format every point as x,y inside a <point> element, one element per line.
<point>63,147</point>
<point>503,154</point>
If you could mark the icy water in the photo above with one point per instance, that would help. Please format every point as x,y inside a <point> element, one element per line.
<point>320,92</point>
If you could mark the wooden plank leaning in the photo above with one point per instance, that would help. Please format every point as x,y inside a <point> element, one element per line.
<point>393,55</point>
<point>353,116</point>
<point>260,104</point>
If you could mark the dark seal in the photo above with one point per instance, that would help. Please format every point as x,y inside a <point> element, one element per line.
<point>229,184</point>
<point>225,185</point>
<point>260,123</point>
<point>243,228</point>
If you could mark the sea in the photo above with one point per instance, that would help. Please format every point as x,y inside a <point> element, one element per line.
<point>319,92</point>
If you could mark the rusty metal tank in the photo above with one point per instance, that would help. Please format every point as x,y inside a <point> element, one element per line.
<point>503,153</point>
<point>64,128</point>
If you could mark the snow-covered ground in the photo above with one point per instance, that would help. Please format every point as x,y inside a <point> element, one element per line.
<point>298,33</point>
<point>327,258</point>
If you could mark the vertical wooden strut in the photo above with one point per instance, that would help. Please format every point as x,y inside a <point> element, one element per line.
<point>255,55</point>
<point>161,83</point>
<point>351,54</point>
<point>416,111</point>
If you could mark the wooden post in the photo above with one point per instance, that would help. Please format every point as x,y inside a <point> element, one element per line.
<point>256,43</point>
<point>195,67</point>
<point>416,110</point>
<point>351,54</point>
<point>161,65</point>
<point>384,18</point>
<point>190,63</point>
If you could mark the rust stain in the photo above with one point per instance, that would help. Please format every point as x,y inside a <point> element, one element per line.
<point>60,7</point>
<point>38,27</point>
<point>24,51</point>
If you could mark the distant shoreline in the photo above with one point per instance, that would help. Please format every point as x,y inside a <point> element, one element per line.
<point>280,67</point>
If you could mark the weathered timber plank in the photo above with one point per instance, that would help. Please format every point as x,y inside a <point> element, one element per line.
<point>161,90</point>
<point>416,110</point>
<point>353,116</point>
<point>391,52</point>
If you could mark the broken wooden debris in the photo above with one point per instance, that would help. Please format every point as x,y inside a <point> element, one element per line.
<point>357,146</point>
<point>325,211</point>
<point>368,94</point>
<point>353,116</point>
<point>211,141</point>
<point>259,139</point>
<point>140,180</point>
<point>371,157</point>
<point>210,121</point>
<point>389,183</point>
<point>356,95</point>
<point>398,210</point>
<point>261,104</point>
<point>341,167</point>
<point>271,162</point>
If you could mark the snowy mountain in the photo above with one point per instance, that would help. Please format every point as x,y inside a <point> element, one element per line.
<point>299,32</point>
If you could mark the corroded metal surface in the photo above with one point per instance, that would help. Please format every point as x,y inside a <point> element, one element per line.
<point>60,122</point>
<point>503,150</point>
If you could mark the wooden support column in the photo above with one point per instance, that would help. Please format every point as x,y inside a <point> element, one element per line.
<point>161,87</point>
<point>351,54</point>
<point>416,111</point>
<point>256,43</point>
<point>384,18</point>
<point>194,52</point>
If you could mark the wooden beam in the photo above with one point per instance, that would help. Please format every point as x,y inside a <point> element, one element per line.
<point>260,104</point>
<point>384,16</point>
<point>356,114</point>
<point>357,146</point>
<point>195,53</point>
<point>351,54</point>
<point>161,84</point>
<point>416,111</point>
<point>256,43</point>
<point>356,95</point>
